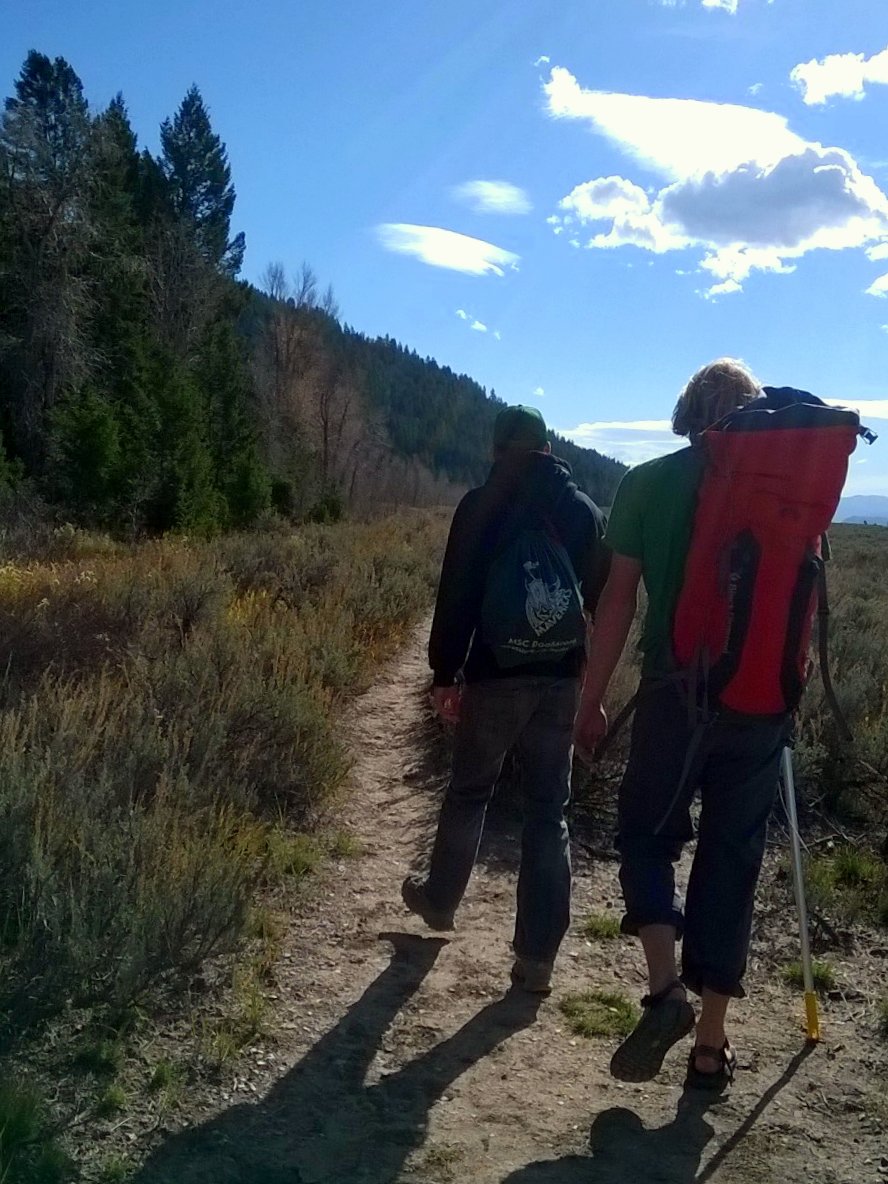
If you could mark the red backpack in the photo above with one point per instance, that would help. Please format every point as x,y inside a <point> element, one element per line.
<point>772,479</point>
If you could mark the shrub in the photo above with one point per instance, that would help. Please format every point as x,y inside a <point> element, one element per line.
<point>170,734</point>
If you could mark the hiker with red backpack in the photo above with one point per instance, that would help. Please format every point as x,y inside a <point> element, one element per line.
<point>728,537</point>
<point>524,559</point>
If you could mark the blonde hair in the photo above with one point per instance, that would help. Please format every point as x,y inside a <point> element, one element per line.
<point>716,389</point>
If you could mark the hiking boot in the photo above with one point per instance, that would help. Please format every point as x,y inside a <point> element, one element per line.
<point>532,975</point>
<point>665,1021</point>
<point>413,894</point>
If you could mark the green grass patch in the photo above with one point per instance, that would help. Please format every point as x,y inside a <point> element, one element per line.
<point>103,1057</point>
<point>164,1076</point>
<point>292,856</point>
<point>111,1102</point>
<point>855,868</point>
<point>823,974</point>
<point>600,927</point>
<point>849,885</point>
<point>343,845</point>
<point>29,1152</point>
<point>115,1170</point>
<point>599,1013</point>
<point>441,1163</point>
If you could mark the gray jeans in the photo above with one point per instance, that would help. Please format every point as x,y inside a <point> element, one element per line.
<point>534,716</point>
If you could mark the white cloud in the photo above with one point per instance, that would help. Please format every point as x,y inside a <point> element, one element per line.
<point>606,197</point>
<point>446,248</point>
<point>756,88</point>
<point>678,138</point>
<point>840,74</point>
<point>474,323</point>
<point>543,60</point>
<point>728,5</point>
<point>743,187</point>
<point>725,288</point>
<point>879,287</point>
<point>880,251</point>
<point>497,335</point>
<point>631,441</point>
<point>884,328</point>
<point>493,197</point>
<point>539,392</point>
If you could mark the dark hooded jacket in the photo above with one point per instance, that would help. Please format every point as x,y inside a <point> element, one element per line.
<point>519,483</point>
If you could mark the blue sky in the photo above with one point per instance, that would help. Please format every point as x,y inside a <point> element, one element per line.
<point>577,204</point>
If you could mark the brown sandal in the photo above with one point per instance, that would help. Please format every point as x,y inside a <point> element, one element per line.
<point>714,1079</point>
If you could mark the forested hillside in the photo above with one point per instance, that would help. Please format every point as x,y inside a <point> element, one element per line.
<point>143,387</point>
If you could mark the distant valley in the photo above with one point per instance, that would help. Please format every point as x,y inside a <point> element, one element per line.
<point>871,508</point>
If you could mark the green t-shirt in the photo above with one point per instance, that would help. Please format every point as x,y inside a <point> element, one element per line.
<point>651,520</point>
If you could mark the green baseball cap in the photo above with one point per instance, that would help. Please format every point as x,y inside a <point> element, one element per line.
<point>520,427</point>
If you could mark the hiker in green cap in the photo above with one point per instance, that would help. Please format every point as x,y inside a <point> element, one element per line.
<point>523,568</point>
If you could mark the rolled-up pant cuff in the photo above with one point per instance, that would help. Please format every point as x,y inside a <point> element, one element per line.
<point>632,922</point>
<point>697,981</point>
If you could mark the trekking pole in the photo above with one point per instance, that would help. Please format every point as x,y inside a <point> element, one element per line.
<point>798,880</point>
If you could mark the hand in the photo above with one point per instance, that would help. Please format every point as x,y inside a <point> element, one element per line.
<point>590,728</point>
<point>446,701</point>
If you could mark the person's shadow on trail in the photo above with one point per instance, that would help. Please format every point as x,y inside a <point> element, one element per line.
<point>322,1122</point>
<point>623,1151</point>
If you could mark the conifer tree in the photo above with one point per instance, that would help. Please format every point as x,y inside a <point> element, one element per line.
<point>45,235</point>
<point>195,164</point>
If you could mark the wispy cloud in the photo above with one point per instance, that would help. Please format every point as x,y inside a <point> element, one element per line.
<point>726,5</point>
<point>868,408</point>
<point>634,441</point>
<point>842,75</point>
<point>543,60</point>
<point>493,197</point>
<point>539,392</point>
<point>631,441</point>
<point>743,187</point>
<point>446,248</point>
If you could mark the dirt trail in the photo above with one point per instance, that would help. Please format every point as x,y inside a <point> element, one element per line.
<point>400,1056</point>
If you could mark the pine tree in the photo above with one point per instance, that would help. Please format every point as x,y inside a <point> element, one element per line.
<point>45,236</point>
<point>222,376</point>
<point>195,164</point>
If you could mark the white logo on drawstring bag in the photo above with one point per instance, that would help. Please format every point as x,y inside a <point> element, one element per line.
<point>546,603</point>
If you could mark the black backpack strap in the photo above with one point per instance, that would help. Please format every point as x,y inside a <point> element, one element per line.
<point>623,717</point>
<point>845,733</point>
